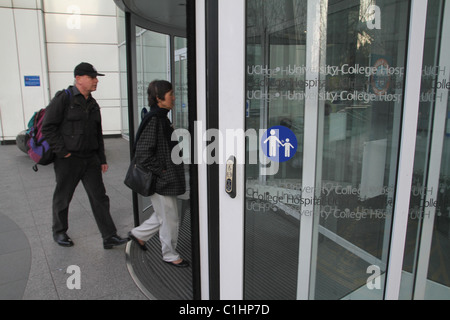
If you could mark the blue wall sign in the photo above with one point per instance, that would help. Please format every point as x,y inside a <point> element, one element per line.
<point>32,81</point>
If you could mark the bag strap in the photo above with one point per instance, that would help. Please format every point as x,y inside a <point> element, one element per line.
<point>141,128</point>
<point>143,125</point>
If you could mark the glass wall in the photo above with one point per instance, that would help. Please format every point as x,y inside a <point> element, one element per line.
<point>181,117</point>
<point>153,62</point>
<point>426,268</point>
<point>123,71</point>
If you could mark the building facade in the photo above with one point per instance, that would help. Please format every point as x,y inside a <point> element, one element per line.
<point>45,40</point>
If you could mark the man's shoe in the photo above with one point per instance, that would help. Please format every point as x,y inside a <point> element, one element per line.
<point>114,241</point>
<point>63,240</point>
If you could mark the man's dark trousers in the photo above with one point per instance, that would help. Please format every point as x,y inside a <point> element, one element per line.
<point>69,172</point>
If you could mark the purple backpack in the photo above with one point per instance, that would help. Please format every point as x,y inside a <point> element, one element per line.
<point>38,148</point>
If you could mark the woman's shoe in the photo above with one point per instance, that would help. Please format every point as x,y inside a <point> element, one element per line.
<point>136,240</point>
<point>182,264</point>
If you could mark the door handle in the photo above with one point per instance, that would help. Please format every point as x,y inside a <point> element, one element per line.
<point>230,177</point>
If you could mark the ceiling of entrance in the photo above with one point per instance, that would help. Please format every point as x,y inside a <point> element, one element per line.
<point>169,13</point>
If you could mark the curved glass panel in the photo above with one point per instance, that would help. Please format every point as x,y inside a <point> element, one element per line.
<point>426,264</point>
<point>363,81</point>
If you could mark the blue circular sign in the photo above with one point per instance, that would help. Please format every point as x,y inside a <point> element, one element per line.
<point>279,144</point>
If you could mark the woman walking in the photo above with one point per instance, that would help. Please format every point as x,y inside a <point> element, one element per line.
<point>153,151</point>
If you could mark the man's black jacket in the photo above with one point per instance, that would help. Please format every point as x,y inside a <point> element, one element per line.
<point>73,124</point>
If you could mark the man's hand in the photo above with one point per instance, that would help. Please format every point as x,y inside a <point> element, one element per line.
<point>104,168</point>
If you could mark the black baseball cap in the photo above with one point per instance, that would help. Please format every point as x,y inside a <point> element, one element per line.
<point>86,69</point>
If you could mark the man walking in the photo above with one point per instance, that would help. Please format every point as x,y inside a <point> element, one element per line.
<point>72,126</point>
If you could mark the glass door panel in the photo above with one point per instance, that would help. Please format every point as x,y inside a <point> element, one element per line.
<point>152,63</point>
<point>359,142</point>
<point>437,258</point>
<point>276,43</point>
<point>164,57</point>
<point>332,76</point>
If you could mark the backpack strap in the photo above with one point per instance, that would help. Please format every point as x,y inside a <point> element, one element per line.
<point>69,96</point>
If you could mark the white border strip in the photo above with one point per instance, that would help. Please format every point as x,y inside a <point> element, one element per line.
<point>231,116</point>
<point>310,149</point>
<point>408,146</point>
<point>202,169</point>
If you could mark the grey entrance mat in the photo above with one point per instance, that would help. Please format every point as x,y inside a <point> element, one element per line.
<point>157,279</point>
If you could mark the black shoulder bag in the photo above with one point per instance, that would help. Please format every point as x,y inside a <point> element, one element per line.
<point>138,178</point>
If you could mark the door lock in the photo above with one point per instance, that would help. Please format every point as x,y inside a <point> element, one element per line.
<point>230,177</point>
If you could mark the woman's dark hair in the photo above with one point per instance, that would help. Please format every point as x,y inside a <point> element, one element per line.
<point>157,89</point>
